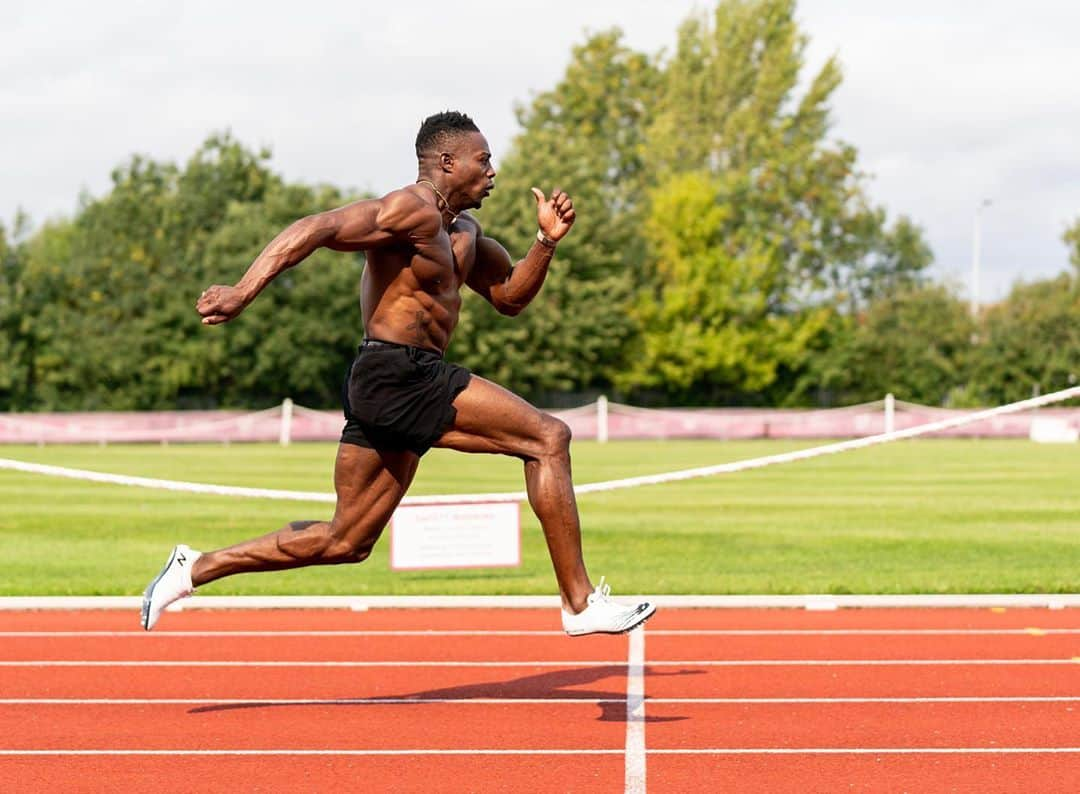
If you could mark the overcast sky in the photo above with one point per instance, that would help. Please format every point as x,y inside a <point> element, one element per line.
<point>949,102</point>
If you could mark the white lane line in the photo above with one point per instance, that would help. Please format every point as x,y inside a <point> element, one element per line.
<point>826,701</point>
<point>1032,631</point>
<point>585,751</point>
<point>546,663</point>
<point>863,750</point>
<point>257,701</point>
<point>455,751</point>
<point>635,714</point>
<point>620,663</point>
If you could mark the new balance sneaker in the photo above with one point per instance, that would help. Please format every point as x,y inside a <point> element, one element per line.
<point>604,616</point>
<point>172,584</point>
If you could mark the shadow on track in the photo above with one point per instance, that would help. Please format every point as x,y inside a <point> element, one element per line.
<point>540,686</point>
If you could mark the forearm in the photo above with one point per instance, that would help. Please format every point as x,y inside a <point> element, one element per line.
<point>289,248</point>
<point>526,278</point>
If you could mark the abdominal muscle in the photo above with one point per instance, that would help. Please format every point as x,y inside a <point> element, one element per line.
<point>398,307</point>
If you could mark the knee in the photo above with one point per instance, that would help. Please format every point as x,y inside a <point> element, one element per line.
<point>556,435</point>
<point>327,543</point>
<point>344,550</point>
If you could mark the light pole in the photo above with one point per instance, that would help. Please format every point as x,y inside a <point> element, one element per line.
<point>976,246</point>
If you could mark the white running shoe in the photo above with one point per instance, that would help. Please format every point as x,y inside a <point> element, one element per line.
<point>604,616</point>
<point>172,584</point>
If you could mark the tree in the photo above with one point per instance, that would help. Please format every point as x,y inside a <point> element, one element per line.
<point>714,320</point>
<point>118,321</point>
<point>301,333</point>
<point>758,225</point>
<point>914,343</point>
<point>1072,240</point>
<point>18,342</point>
<point>1030,340</point>
<point>585,135</point>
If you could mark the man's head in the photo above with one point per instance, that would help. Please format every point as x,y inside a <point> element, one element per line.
<point>451,151</point>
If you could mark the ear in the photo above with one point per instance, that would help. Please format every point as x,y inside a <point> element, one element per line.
<point>446,161</point>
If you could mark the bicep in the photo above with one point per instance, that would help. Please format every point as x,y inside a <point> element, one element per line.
<point>490,270</point>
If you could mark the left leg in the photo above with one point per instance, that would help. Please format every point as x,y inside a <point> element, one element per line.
<point>492,419</point>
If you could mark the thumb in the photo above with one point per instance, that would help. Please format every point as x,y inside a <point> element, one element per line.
<point>539,194</point>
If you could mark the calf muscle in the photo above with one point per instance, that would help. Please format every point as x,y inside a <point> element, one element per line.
<point>369,486</point>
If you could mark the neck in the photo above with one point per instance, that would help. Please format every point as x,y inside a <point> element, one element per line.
<point>441,200</point>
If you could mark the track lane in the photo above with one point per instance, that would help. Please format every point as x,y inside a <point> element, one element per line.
<point>874,646</point>
<point>880,774</point>
<point>599,682</point>
<point>538,682</point>
<point>293,648</point>
<point>857,725</point>
<point>564,774</point>
<point>868,681</point>
<point>866,619</point>
<point>428,726</point>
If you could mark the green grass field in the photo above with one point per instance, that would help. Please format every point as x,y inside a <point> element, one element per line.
<point>924,516</point>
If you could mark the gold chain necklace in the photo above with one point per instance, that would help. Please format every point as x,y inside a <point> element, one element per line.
<point>442,198</point>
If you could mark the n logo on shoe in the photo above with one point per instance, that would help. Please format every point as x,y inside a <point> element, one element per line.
<point>180,558</point>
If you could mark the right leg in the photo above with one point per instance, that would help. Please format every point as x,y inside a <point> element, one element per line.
<point>369,485</point>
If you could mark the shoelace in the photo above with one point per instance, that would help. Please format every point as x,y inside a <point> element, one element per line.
<point>601,593</point>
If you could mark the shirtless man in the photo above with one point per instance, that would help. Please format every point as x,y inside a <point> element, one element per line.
<point>401,398</point>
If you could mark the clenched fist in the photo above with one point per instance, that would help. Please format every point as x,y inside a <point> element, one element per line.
<point>219,304</point>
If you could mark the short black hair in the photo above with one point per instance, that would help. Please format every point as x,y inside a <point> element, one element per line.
<point>437,129</point>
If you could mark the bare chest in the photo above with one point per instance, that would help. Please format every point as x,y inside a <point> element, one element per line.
<point>446,260</point>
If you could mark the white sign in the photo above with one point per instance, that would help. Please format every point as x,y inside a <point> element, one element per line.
<point>456,536</point>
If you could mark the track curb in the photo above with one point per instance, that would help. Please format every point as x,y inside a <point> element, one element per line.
<point>361,603</point>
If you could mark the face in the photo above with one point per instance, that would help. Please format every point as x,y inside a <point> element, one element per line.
<point>473,173</point>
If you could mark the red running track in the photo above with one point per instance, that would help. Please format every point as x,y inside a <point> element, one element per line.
<point>499,700</point>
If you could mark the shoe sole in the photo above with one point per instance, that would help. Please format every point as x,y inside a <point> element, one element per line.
<point>627,630</point>
<point>148,593</point>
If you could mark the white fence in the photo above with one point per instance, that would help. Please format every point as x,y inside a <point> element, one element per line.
<point>601,420</point>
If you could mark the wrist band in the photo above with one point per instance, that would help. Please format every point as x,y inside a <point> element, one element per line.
<point>544,240</point>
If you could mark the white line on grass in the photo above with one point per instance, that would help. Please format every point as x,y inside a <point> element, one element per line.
<point>635,714</point>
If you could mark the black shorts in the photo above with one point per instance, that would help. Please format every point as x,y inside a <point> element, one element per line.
<point>399,397</point>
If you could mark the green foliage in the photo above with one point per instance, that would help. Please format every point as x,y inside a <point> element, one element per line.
<point>298,337</point>
<point>717,316</point>
<point>109,296</point>
<point>758,223</point>
<point>27,291</point>
<point>1072,240</point>
<point>1030,340</point>
<point>913,343</point>
<point>584,136</point>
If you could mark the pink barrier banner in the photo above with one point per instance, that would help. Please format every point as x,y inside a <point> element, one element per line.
<point>749,423</point>
<point>167,427</point>
<point>623,422</point>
